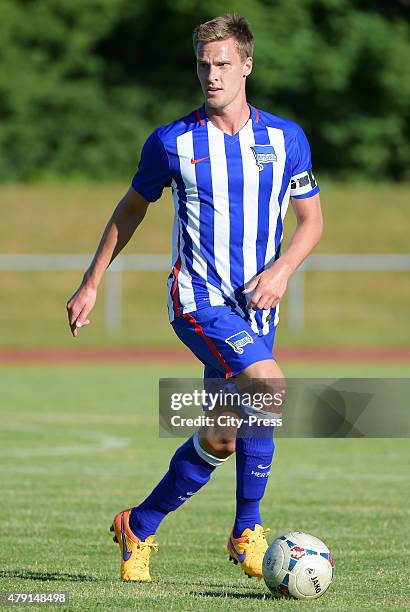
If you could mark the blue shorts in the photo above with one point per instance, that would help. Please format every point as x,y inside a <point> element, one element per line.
<point>223,340</point>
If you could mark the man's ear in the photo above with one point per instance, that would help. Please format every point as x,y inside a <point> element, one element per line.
<point>247,66</point>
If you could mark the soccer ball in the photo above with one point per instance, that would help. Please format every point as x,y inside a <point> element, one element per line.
<point>298,565</point>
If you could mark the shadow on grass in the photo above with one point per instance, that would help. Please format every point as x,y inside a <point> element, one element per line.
<point>31,575</point>
<point>233,595</point>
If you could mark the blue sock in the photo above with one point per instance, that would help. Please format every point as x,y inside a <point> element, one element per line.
<point>190,468</point>
<point>253,465</point>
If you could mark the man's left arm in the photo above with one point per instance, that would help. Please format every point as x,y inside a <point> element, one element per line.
<point>270,286</point>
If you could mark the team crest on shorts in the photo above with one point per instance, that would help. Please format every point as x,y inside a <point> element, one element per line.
<point>239,340</point>
<point>264,154</point>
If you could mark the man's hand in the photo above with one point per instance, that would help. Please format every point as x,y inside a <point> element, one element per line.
<point>79,306</point>
<point>269,286</point>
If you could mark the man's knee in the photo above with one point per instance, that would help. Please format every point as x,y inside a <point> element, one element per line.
<point>220,445</point>
<point>264,383</point>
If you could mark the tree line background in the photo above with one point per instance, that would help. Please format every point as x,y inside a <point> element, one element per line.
<point>83,82</point>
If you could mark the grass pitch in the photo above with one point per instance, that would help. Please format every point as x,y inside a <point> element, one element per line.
<point>79,444</point>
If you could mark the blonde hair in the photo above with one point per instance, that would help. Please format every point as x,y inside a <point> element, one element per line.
<point>223,27</point>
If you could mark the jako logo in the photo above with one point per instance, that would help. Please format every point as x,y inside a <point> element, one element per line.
<point>237,341</point>
<point>316,584</point>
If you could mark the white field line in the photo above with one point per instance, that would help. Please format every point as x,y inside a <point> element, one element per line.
<point>349,477</point>
<point>102,442</point>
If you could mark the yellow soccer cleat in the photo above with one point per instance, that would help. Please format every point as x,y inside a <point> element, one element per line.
<point>135,553</point>
<point>249,550</point>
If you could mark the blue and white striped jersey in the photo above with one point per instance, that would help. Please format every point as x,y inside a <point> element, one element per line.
<point>230,196</point>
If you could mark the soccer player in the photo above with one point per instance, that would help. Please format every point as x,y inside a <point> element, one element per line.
<point>232,169</point>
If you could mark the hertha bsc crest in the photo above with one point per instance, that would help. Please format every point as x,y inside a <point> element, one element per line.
<point>264,154</point>
<point>237,341</point>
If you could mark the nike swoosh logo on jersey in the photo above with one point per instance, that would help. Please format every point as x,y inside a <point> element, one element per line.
<point>196,161</point>
<point>125,552</point>
<point>264,467</point>
<point>240,556</point>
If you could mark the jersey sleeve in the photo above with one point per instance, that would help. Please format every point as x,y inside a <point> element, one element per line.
<point>153,172</point>
<point>303,183</point>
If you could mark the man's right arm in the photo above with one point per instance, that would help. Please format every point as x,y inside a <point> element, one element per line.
<point>125,219</point>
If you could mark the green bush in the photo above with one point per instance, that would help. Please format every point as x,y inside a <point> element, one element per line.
<point>83,82</point>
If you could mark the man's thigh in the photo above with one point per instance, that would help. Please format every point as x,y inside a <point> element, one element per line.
<point>223,341</point>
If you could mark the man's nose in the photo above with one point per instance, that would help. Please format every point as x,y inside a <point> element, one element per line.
<point>213,74</point>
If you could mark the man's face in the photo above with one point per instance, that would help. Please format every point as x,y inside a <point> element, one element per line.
<point>221,72</point>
